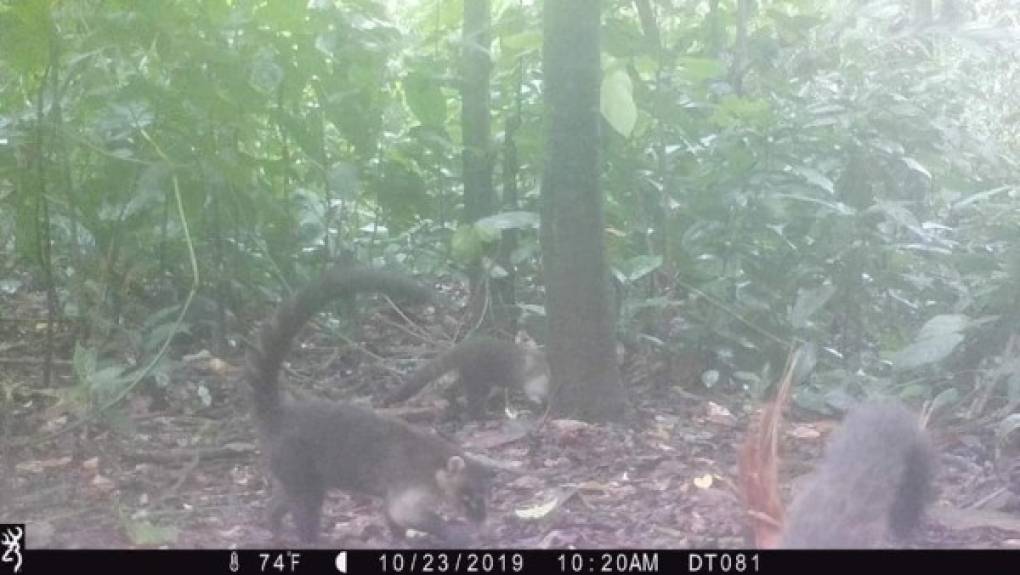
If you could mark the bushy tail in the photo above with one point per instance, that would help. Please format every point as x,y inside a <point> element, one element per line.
<point>872,485</point>
<point>446,362</point>
<point>423,376</point>
<point>262,368</point>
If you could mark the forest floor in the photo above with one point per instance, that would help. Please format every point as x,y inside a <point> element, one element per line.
<point>177,466</point>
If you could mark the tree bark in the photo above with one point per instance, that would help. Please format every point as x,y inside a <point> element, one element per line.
<point>505,288</point>
<point>476,125</point>
<point>578,304</point>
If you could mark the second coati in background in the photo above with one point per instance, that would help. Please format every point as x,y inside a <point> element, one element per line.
<point>482,365</point>
<point>871,487</point>
<point>312,446</point>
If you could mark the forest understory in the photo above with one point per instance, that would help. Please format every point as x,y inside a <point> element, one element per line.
<point>163,469</point>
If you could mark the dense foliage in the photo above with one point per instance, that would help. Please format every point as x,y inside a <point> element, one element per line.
<point>840,173</point>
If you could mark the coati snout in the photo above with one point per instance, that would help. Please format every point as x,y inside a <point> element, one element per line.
<point>464,488</point>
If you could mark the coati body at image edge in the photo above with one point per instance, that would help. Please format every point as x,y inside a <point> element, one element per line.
<point>871,487</point>
<point>311,446</point>
<point>482,365</point>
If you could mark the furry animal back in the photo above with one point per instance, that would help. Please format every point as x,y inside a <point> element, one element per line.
<point>871,487</point>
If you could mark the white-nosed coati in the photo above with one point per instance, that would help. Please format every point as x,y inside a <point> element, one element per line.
<point>482,364</point>
<point>312,446</point>
<point>872,486</point>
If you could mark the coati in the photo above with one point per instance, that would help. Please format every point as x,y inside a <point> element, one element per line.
<point>871,487</point>
<point>482,364</point>
<point>311,446</point>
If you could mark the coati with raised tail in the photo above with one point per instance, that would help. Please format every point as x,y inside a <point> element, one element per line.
<point>871,487</point>
<point>482,364</point>
<point>312,446</point>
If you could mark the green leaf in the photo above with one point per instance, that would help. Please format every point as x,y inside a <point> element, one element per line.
<point>926,351</point>
<point>514,46</point>
<point>467,245</point>
<point>426,100</point>
<point>509,221</point>
<point>814,177</point>
<point>282,15</point>
<point>808,302</point>
<point>617,103</point>
<point>638,267</point>
<point>733,111</point>
<point>25,31</point>
<point>697,70</point>
<point>84,363</point>
<point>943,325</point>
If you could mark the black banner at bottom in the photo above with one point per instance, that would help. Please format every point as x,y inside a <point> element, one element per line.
<point>501,561</point>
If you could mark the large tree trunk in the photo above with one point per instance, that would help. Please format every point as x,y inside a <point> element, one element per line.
<point>504,288</point>
<point>475,122</point>
<point>578,303</point>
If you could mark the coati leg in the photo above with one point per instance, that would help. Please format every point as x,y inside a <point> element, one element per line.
<point>306,508</point>
<point>301,491</point>
<point>278,509</point>
<point>477,398</point>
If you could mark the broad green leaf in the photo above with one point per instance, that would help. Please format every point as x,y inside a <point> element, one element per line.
<point>25,32</point>
<point>733,111</point>
<point>926,351</point>
<point>509,221</point>
<point>808,302</point>
<point>617,102</point>
<point>467,245</point>
<point>942,325</point>
<point>283,15</point>
<point>84,363</point>
<point>425,98</point>
<point>814,177</point>
<point>697,70</point>
<point>514,46</point>
<point>638,267</point>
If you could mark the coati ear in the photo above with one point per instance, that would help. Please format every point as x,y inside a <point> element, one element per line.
<point>455,465</point>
